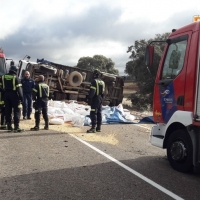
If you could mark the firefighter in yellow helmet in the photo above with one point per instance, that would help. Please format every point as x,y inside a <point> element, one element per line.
<point>95,99</point>
<point>2,107</point>
<point>41,97</point>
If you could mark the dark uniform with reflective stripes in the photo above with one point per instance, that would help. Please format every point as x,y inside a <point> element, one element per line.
<point>41,95</point>
<point>2,108</point>
<point>13,98</point>
<point>96,98</point>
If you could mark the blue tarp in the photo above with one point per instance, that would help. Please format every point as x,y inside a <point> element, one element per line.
<point>148,119</point>
<point>43,61</point>
<point>112,115</point>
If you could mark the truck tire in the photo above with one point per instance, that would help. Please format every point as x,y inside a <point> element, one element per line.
<point>75,79</point>
<point>180,151</point>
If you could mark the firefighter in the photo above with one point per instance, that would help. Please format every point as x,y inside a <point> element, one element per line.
<point>13,98</point>
<point>40,96</point>
<point>2,108</point>
<point>95,100</point>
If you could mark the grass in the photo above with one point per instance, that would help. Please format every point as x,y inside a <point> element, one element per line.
<point>129,88</point>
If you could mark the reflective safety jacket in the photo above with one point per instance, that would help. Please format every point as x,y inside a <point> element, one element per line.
<point>1,94</point>
<point>97,88</point>
<point>41,91</point>
<point>9,82</point>
<point>1,97</point>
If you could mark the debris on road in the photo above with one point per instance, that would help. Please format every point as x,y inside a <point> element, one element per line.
<point>78,114</point>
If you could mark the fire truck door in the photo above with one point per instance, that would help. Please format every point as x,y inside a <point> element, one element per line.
<point>169,88</point>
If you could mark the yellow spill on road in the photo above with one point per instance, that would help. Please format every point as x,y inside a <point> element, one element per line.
<point>69,128</point>
<point>94,137</point>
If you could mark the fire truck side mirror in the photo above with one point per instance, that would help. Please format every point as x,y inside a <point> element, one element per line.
<point>149,55</point>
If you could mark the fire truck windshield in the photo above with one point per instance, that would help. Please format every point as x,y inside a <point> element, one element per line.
<point>2,66</point>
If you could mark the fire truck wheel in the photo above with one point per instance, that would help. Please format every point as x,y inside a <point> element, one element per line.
<point>180,151</point>
<point>75,79</point>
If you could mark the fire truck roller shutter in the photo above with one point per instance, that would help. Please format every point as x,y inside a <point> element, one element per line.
<point>75,79</point>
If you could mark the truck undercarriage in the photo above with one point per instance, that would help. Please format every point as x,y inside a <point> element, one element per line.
<point>70,83</point>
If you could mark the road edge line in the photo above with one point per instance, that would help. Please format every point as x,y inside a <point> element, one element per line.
<point>154,184</point>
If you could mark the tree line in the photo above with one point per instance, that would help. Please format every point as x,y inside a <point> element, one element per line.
<point>135,69</point>
<point>143,77</point>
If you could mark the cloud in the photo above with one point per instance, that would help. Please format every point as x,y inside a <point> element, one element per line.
<point>64,31</point>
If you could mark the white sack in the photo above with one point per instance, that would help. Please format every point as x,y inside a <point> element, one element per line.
<point>67,110</point>
<point>130,117</point>
<point>56,121</point>
<point>78,120</point>
<point>120,108</point>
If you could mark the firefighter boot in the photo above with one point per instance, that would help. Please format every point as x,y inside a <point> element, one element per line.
<point>98,129</point>
<point>46,127</point>
<point>9,127</point>
<point>35,128</point>
<point>92,130</point>
<point>3,127</point>
<point>17,129</point>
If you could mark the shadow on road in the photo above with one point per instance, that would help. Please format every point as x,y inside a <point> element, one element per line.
<point>102,181</point>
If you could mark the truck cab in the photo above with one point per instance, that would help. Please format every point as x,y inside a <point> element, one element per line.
<point>176,101</point>
<point>24,66</point>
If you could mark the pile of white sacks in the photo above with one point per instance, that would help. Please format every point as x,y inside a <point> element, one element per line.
<point>78,114</point>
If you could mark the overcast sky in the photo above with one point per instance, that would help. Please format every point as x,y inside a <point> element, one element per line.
<point>63,31</point>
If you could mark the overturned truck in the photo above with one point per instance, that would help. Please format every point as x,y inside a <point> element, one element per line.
<point>71,83</point>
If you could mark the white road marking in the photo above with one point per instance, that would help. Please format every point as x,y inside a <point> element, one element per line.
<point>159,187</point>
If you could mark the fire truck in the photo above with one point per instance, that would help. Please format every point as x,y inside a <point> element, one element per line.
<point>176,101</point>
<point>2,62</point>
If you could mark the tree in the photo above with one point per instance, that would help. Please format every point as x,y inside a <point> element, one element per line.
<point>97,62</point>
<point>143,98</point>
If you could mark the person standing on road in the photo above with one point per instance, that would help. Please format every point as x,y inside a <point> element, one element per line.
<point>27,85</point>
<point>13,98</point>
<point>2,108</point>
<point>40,96</point>
<point>95,100</point>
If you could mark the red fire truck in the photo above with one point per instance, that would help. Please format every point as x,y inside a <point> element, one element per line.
<point>2,63</point>
<point>176,103</point>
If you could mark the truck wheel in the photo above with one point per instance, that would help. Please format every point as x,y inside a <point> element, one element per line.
<point>75,79</point>
<point>180,151</point>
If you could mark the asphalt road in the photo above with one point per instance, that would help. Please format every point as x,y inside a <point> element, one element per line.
<point>118,163</point>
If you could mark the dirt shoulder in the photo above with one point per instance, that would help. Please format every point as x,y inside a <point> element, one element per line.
<point>129,88</point>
